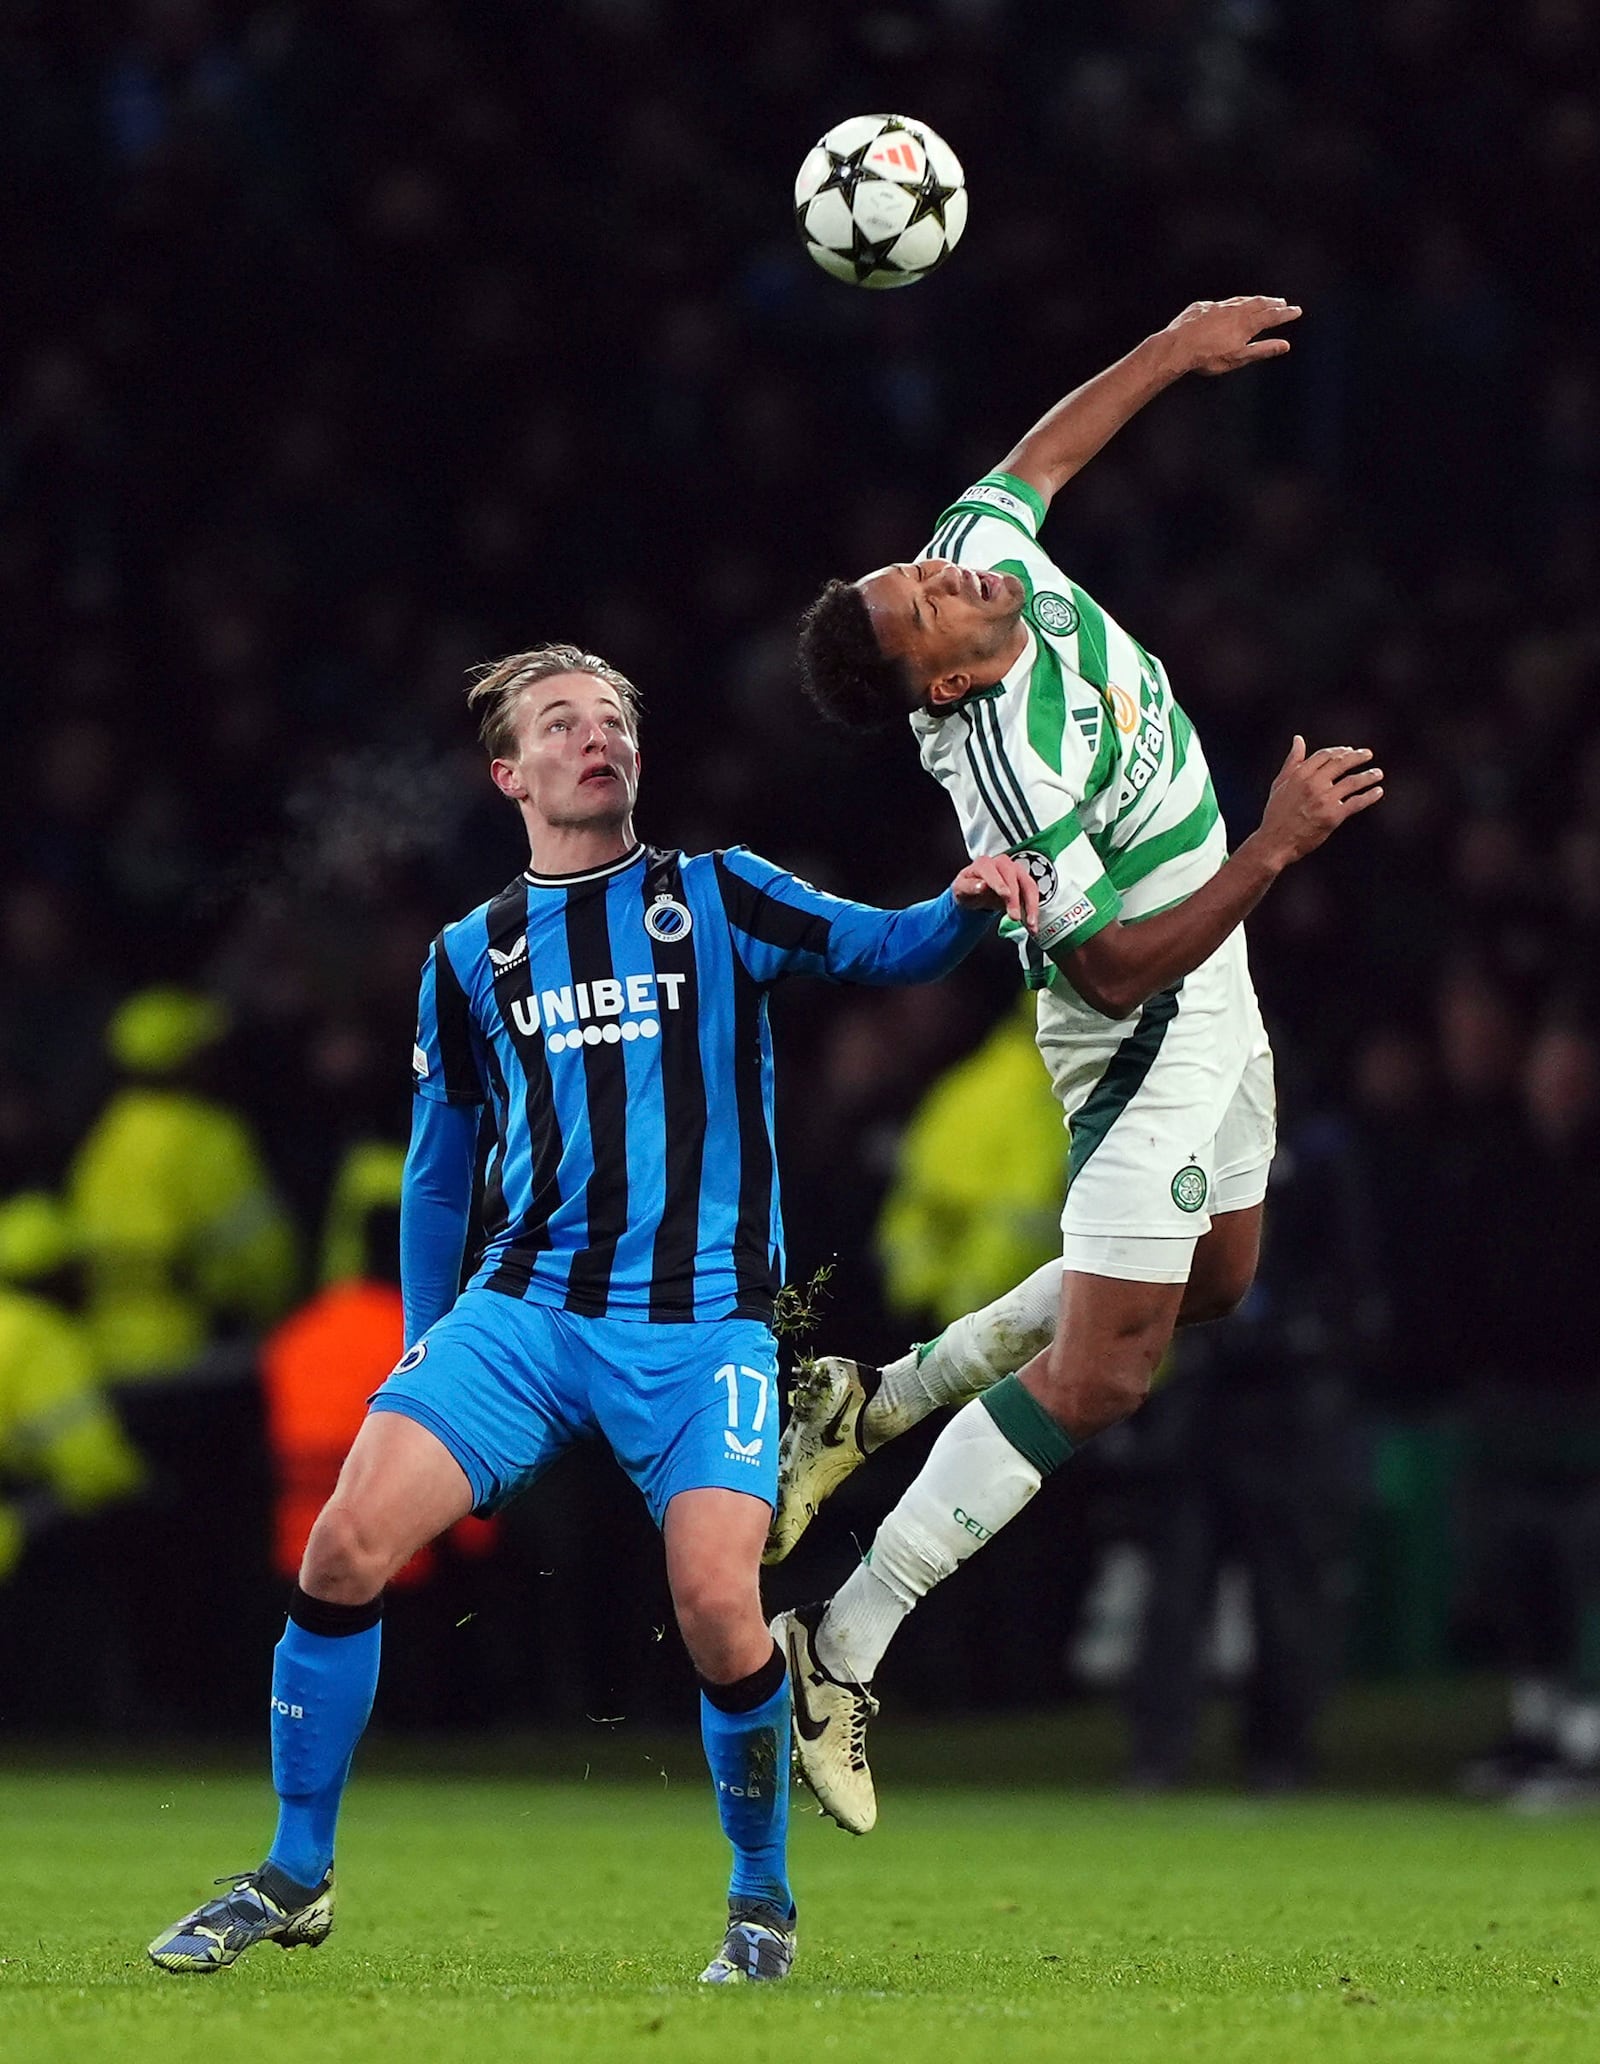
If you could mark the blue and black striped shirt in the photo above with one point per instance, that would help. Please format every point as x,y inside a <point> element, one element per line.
<point>614,1026</point>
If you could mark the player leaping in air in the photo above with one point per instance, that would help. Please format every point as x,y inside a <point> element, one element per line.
<point>1057,736</point>
<point>608,1010</point>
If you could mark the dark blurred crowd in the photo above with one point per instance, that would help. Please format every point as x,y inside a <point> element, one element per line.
<point>344,349</point>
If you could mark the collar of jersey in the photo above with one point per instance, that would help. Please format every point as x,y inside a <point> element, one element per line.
<point>571,881</point>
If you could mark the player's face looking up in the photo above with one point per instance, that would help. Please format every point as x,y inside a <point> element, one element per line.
<point>954,628</point>
<point>576,760</point>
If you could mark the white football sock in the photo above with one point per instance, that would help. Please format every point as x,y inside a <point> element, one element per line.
<point>970,1354</point>
<point>972,1483</point>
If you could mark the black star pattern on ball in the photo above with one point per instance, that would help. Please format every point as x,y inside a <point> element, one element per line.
<point>869,256</point>
<point>846,170</point>
<point>932,199</point>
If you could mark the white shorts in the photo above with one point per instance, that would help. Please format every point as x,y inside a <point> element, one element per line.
<point>1170,1118</point>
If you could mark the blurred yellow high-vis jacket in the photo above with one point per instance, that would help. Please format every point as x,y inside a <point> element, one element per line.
<point>180,1228</point>
<point>976,1201</point>
<point>57,1432</point>
<point>368,1179</point>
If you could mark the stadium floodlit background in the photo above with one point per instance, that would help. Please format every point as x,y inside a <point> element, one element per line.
<point>347,348</point>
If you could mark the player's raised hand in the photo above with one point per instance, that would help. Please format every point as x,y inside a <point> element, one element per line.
<point>996,882</point>
<point>1220,336</point>
<point>1314,794</point>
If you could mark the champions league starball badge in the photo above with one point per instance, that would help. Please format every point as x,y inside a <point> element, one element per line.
<point>1043,873</point>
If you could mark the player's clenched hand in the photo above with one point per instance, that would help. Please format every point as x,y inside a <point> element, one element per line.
<point>1220,336</point>
<point>1314,794</point>
<point>996,882</point>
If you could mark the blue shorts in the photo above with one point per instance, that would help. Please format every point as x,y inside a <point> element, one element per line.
<point>507,1386</point>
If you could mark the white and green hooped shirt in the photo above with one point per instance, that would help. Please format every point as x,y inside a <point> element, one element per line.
<point>1079,762</point>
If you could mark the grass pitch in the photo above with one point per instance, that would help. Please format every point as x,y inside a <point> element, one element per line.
<point>567,1920</point>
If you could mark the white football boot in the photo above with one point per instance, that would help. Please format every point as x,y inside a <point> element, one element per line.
<point>821,1444</point>
<point>830,1725</point>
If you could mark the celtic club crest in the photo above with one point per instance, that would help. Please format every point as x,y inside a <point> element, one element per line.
<point>1054,613</point>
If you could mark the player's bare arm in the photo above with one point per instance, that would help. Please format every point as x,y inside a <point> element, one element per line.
<point>1124,965</point>
<point>1210,337</point>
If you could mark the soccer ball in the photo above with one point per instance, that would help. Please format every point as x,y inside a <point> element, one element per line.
<point>880,201</point>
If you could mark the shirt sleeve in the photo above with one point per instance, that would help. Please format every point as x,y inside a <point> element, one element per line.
<point>435,1209</point>
<point>1076,899</point>
<point>783,926</point>
<point>996,494</point>
<point>444,1060</point>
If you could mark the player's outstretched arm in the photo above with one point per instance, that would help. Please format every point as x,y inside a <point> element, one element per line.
<point>1208,337</point>
<point>783,926</point>
<point>923,943</point>
<point>1124,965</point>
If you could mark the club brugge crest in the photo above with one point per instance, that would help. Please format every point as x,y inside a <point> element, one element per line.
<point>413,1358</point>
<point>1054,613</point>
<point>667,920</point>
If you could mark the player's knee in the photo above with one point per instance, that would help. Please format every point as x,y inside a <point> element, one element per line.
<point>344,1559</point>
<point>712,1600</point>
<point>1087,1393</point>
<point>716,1609</point>
<point>1118,1390</point>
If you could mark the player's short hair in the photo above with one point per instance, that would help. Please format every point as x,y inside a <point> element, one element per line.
<point>841,667</point>
<point>497,688</point>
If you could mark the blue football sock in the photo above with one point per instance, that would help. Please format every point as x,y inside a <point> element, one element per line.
<point>749,1758</point>
<point>322,1691</point>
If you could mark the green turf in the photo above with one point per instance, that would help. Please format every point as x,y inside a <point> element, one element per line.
<point>495,1919</point>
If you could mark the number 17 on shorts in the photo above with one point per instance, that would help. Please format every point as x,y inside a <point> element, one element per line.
<point>749,1397</point>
